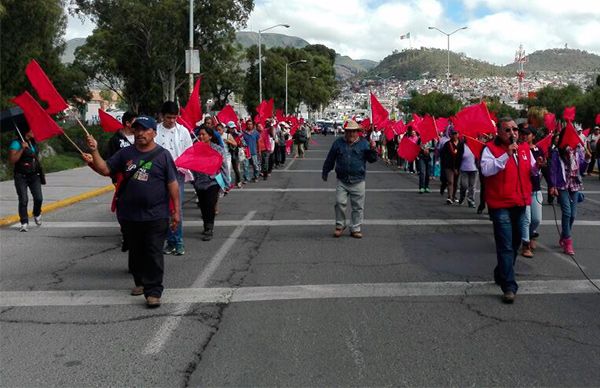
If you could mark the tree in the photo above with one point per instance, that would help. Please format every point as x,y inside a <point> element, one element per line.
<point>137,43</point>
<point>434,103</point>
<point>21,41</point>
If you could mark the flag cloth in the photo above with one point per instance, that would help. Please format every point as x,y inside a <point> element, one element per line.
<point>474,120</point>
<point>405,36</point>
<point>366,123</point>
<point>569,137</point>
<point>442,123</point>
<point>378,112</point>
<point>264,111</point>
<point>569,113</point>
<point>389,133</point>
<point>40,123</point>
<point>109,123</point>
<point>597,119</point>
<point>586,132</point>
<point>475,145</point>
<point>44,88</point>
<point>399,127</point>
<point>227,114</point>
<point>200,157</point>
<point>550,122</point>
<point>427,129</point>
<point>193,108</point>
<point>279,116</point>
<point>183,119</point>
<point>544,144</point>
<point>408,149</point>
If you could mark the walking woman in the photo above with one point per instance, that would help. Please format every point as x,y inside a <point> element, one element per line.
<point>23,154</point>
<point>207,186</point>
<point>567,165</point>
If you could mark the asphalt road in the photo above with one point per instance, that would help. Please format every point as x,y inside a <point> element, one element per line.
<point>275,300</point>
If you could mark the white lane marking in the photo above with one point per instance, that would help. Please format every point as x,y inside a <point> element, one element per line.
<point>164,332</point>
<point>188,296</point>
<point>289,165</point>
<point>320,171</point>
<point>591,200</point>
<point>375,222</point>
<point>306,189</point>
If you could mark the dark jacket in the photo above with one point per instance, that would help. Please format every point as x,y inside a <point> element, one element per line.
<point>349,160</point>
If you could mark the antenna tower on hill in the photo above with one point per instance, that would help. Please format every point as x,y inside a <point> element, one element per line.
<point>520,60</point>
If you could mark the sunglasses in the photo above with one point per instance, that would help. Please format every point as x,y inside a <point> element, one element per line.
<point>514,129</point>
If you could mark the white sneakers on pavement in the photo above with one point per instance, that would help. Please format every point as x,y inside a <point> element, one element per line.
<point>38,220</point>
<point>23,228</point>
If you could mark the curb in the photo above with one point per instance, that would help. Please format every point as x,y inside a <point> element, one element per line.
<point>9,220</point>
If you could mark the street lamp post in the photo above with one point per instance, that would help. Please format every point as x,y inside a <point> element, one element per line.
<point>448,50</point>
<point>260,95</point>
<point>286,81</point>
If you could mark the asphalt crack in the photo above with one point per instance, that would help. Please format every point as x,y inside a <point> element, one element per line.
<point>56,274</point>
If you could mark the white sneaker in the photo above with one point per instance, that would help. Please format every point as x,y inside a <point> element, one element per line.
<point>23,228</point>
<point>38,220</point>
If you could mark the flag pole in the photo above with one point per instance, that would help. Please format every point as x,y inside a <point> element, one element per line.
<point>72,142</point>
<point>19,132</point>
<point>82,126</point>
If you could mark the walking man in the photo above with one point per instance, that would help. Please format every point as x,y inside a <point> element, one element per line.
<point>349,156</point>
<point>506,167</point>
<point>149,183</point>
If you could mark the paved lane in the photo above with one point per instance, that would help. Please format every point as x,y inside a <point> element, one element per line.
<point>273,299</point>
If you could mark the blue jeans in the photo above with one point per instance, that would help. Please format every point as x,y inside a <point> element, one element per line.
<point>255,166</point>
<point>507,233</point>
<point>175,239</point>
<point>568,206</point>
<point>31,181</point>
<point>424,168</point>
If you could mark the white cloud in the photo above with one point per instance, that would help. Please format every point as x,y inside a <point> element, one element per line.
<point>371,29</point>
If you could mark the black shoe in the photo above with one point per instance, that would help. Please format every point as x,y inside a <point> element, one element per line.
<point>207,235</point>
<point>508,297</point>
<point>124,245</point>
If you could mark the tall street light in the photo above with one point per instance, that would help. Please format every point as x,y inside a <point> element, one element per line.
<point>448,36</point>
<point>260,95</point>
<point>286,81</point>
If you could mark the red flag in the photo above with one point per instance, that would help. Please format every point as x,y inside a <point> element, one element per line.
<point>416,119</point>
<point>474,120</point>
<point>569,113</point>
<point>399,127</point>
<point>550,122</point>
<point>597,119</point>
<point>366,123</point>
<point>193,108</point>
<point>184,119</point>
<point>544,144</point>
<point>109,123</point>
<point>40,123</point>
<point>570,137</point>
<point>379,113</point>
<point>427,129</point>
<point>279,116</point>
<point>586,132</point>
<point>442,123</point>
<point>389,133</point>
<point>494,117</point>
<point>475,145</point>
<point>227,114</point>
<point>200,157</point>
<point>408,149</point>
<point>44,88</point>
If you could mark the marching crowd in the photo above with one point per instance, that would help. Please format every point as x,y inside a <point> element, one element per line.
<point>140,159</point>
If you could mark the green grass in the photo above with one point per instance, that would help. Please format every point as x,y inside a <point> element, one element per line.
<point>61,162</point>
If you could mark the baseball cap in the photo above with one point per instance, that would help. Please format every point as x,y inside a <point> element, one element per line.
<point>146,122</point>
<point>231,124</point>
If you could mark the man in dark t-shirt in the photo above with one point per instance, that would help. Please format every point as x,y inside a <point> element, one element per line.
<point>143,209</point>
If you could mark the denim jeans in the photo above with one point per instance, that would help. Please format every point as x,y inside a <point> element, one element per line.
<point>507,234</point>
<point>175,238</point>
<point>467,186</point>
<point>31,181</point>
<point>255,166</point>
<point>534,213</point>
<point>356,193</point>
<point>568,206</point>
<point>424,168</point>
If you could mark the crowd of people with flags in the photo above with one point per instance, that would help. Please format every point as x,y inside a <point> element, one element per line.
<point>151,162</point>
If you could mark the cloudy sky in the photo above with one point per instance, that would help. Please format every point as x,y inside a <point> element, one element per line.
<point>371,29</point>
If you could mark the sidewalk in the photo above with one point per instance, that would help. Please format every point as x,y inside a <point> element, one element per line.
<point>63,189</point>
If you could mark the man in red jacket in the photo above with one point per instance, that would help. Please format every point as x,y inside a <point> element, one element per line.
<point>507,167</point>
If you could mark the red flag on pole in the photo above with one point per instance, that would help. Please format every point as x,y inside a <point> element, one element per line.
<point>44,88</point>
<point>184,119</point>
<point>109,123</point>
<point>550,122</point>
<point>474,120</point>
<point>279,116</point>
<point>570,137</point>
<point>597,121</point>
<point>475,145</point>
<point>399,127</point>
<point>389,133</point>
<point>569,113</point>
<point>200,157</point>
<point>544,144</point>
<point>227,114</point>
<point>40,123</point>
<point>366,123</point>
<point>408,149</point>
<point>442,123</point>
<point>379,113</point>
<point>193,108</point>
<point>586,132</point>
<point>427,129</point>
